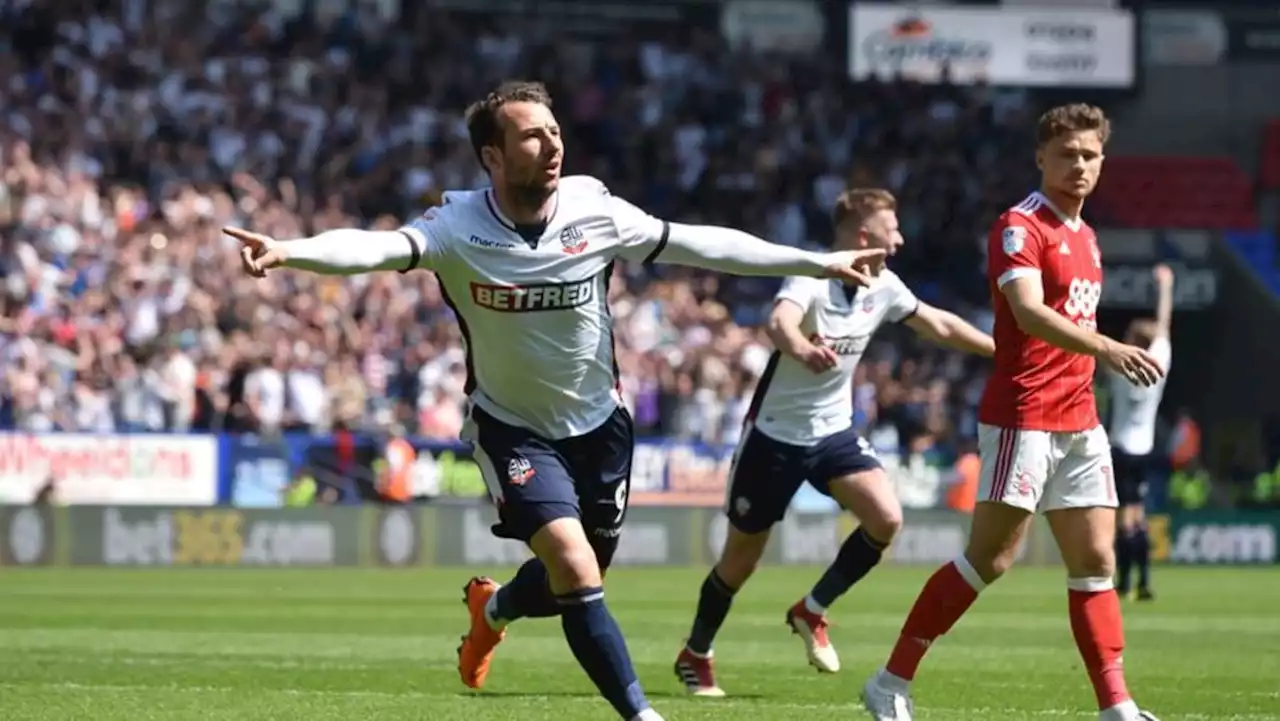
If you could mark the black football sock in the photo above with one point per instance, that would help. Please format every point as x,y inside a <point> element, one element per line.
<point>1142,556</point>
<point>857,556</point>
<point>528,595</point>
<point>1124,559</point>
<point>597,643</point>
<point>713,606</point>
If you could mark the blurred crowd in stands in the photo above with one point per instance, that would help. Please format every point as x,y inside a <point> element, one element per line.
<point>128,137</point>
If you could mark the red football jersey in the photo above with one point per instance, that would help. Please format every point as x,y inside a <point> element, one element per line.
<point>1035,385</point>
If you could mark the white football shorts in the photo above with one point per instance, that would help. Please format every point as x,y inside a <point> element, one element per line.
<point>1046,470</point>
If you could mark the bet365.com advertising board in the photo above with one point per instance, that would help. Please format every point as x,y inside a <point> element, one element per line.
<point>458,535</point>
<point>1222,538</point>
<point>1013,46</point>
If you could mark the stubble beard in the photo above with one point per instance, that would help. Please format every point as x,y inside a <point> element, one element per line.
<point>530,197</point>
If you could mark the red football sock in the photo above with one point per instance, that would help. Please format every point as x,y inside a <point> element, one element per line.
<point>1099,630</point>
<point>944,599</point>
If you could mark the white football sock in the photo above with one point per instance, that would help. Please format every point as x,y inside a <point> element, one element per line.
<point>1123,711</point>
<point>491,614</point>
<point>891,682</point>
<point>814,607</point>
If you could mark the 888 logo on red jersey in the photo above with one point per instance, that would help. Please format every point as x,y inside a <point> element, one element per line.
<point>1083,297</point>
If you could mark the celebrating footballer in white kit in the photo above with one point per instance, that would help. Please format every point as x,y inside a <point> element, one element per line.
<point>1133,438</point>
<point>800,427</point>
<point>525,265</point>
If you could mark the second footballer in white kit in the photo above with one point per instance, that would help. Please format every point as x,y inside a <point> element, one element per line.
<point>800,427</point>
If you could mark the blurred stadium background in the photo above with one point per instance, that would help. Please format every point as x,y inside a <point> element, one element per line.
<point>158,409</point>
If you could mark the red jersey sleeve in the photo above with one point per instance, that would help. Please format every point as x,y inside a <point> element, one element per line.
<point>1013,249</point>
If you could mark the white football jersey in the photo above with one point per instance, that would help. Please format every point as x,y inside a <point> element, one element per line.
<point>792,404</point>
<point>1134,408</point>
<point>535,315</point>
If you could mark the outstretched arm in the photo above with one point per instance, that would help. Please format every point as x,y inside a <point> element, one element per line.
<point>948,329</point>
<point>732,251</point>
<point>335,252</point>
<point>726,250</point>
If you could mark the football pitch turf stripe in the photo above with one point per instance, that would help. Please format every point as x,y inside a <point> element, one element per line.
<point>266,645</point>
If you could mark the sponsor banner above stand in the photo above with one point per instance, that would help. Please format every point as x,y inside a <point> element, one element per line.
<point>795,26</point>
<point>1128,256</point>
<point>1179,38</point>
<point>1133,286</point>
<point>445,535</point>
<point>1013,46</point>
<point>110,469</point>
<point>1254,40</point>
<point>570,18</point>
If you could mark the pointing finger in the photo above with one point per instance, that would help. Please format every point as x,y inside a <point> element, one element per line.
<point>246,237</point>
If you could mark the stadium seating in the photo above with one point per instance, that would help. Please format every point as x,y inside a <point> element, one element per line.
<point>1258,251</point>
<point>1176,192</point>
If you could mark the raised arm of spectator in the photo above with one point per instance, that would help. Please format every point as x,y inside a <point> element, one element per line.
<point>1164,299</point>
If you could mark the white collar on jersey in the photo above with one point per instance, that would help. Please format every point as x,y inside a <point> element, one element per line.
<point>1072,223</point>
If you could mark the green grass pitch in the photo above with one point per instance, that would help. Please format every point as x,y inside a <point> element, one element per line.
<point>350,645</point>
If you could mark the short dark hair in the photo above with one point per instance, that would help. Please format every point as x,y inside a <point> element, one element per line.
<point>1073,118</point>
<point>482,115</point>
<point>861,203</point>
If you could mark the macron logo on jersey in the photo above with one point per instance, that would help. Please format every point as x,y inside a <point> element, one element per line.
<point>534,298</point>
<point>486,243</point>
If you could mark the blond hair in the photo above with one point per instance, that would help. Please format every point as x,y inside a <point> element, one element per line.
<point>860,203</point>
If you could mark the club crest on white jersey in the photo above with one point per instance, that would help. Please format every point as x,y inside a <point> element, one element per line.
<point>533,306</point>
<point>792,404</point>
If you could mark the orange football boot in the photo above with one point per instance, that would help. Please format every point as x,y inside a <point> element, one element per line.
<point>476,652</point>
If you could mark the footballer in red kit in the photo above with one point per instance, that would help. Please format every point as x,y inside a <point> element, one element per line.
<point>1039,438</point>
<point>1035,384</point>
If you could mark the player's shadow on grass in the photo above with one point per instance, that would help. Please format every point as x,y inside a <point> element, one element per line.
<point>506,695</point>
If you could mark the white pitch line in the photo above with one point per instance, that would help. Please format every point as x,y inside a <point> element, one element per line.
<point>927,712</point>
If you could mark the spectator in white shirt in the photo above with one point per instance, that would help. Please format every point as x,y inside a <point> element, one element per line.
<point>264,394</point>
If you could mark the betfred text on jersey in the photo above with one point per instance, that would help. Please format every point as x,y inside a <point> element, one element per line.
<point>848,345</point>
<point>532,298</point>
